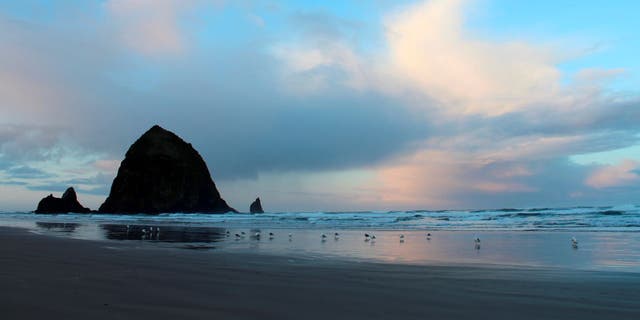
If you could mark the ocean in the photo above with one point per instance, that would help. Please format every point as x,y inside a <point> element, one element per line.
<point>624,218</point>
<point>608,236</point>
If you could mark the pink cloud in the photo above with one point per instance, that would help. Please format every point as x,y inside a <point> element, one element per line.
<point>151,27</point>
<point>623,174</point>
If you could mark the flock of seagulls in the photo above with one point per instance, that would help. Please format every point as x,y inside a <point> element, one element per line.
<point>155,231</point>
<point>151,232</point>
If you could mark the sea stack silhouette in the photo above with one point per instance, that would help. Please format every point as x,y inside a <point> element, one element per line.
<point>67,204</point>
<point>163,173</point>
<point>256,206</point>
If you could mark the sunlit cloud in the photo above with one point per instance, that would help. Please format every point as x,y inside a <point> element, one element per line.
<point>408,108</point>
<point>151,27</point>
<point>625,173</point>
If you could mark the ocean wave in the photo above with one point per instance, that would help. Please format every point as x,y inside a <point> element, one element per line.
<point>600,218</point>
<point>612,212</point>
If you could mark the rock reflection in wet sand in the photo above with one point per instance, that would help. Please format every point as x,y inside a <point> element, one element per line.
<point>163,233</point>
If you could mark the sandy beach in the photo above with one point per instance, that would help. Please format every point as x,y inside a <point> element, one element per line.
<point>43,276</point>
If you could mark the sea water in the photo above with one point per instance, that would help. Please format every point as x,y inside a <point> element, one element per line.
<point>604,218</point>
<point>608,237</point>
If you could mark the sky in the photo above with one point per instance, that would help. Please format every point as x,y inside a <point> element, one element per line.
<point>329,105</point>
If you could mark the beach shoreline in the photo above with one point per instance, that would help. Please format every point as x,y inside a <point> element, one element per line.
<point>44,276</point>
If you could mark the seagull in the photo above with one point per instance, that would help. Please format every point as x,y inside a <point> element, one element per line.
<point>428,234</point>
<point>238,236</point>
<point>271,235</point>
<point>402,236</point>
<point>290,235</point>
<point>574,242</point>
<point>366,235</point>
<point>324,236</point>
<point>257,235</point>
<point>477,240</point>
<point>242,233</point>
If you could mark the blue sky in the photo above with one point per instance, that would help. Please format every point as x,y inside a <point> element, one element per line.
<point>344,105</point>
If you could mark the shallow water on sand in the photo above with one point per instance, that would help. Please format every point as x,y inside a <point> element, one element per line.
<point>619,251</point>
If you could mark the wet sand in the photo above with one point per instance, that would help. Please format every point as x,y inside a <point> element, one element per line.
<point>51,277</point>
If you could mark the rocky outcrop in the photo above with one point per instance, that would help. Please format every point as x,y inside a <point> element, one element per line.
<point>163,173</point>
<point>67,204</point>
<point>256,207</point>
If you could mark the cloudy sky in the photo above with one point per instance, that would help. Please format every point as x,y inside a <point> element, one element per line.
<point>339,105</point>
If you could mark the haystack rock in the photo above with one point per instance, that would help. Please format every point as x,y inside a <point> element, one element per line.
<point>256,207</point>
<point>162,173</point>
<point>67,204</point>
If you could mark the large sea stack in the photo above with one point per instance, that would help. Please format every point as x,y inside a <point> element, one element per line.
<point>163,173</point>
<point>67,204</point>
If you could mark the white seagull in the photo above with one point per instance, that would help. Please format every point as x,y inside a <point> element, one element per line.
<point>574,242</point>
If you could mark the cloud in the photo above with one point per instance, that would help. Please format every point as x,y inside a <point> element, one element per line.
<point>432,113</point>
<point>150,27</point>
<point>623,174</point>
<point>26,172</point>
<point>436,55</point>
